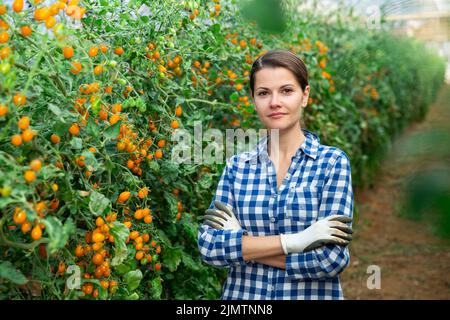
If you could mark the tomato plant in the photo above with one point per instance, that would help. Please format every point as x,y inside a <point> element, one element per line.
<point>91,93</point>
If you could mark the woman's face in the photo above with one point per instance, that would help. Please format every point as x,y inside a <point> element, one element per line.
<point>278,98</point>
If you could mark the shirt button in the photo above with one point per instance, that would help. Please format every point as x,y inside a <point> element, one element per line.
<point>272,219</point>
<point>270,288</point>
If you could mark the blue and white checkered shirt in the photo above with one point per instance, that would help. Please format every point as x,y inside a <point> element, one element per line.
<point>317,184</point>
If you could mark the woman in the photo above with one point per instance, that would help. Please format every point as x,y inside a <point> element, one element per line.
<point>281,216</point>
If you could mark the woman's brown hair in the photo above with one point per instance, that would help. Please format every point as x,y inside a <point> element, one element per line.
<point>284,59</point>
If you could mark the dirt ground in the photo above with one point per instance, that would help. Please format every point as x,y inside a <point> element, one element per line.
<point>414,262</point>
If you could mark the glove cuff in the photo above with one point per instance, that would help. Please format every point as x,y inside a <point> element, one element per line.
<point>283,241</point>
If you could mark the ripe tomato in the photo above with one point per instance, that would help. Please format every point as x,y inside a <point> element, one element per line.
<point>74,129</point>
<point>35,165</point>
<point>19,99</point>
<point>19,216</point>
<point>124,196</point>
<point>23,123</point>
<point>42,14</point>
<point>27,135</point>
<point>25,31</point>
<point>16,140</point>
<point>55,139</point>
<point>18,5</point>
<point>118,51</point>
<point>68,52</point>
<point>76,67</point>
<point>93,51</point>
<point>29,176</point>
<point>178,111</point>
<point>36,233</point>
<point>174,124</point>
<point>97,259</point>
<point>43,251</point>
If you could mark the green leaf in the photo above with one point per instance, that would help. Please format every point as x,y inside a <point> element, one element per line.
<point>172,201</point>
<point>169,171</point>
<point>215,28</point>
<point>268,14</point>
<point>92,128</point>
<point>98,203</point>
<point>89,159</point>
<point>133,278</point>
<point>190,263</point>
<point>112,131</point>
<point>103,293</point>
<point>156,288</point>
<point>154,166</point>
<point>57,233</point>
<point>205,181</point>
<point>88,20</point>
<point>156,107</point>
<point>234,96</point>
<point>109,165</point>
<point>55,110</point>
<point>76,143</point>
<point>189,227</point>
<point>4,202</point>
<point>133,296</point>
<point>126,266</point>
<point>9,272</point>
<point>172,257</point>
<point>61,115</point>
<point>50,172</point>
<point>164,238</point>
<point>120,233</point>
<point>189,169</point>
<point>179,100</point>
<point>182,186</point>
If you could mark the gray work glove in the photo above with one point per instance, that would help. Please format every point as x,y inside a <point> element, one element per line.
<point>221,217</point>
<point>332,229</point>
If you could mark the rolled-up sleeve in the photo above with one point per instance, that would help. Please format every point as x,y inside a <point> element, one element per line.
<point>222,248</point>
<point>337,198</point>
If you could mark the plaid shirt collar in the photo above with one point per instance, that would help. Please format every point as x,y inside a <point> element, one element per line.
<point>310,147</point>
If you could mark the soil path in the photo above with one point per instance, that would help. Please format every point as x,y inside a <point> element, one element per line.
<point>414,262</point>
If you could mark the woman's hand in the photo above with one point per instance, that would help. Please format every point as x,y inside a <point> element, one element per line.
<point>332,229</point>
<point>222,218</point>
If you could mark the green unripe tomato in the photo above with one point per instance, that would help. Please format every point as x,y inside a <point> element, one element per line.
<point>125,104</point>
<point>96,107</point>
<point>141,105</point>
<point>112,63</point>
<point>58,29</point>
<point>6,191</point>
<point>5,67</point>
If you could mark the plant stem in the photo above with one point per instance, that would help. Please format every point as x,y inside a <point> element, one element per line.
<point>26,246</point>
